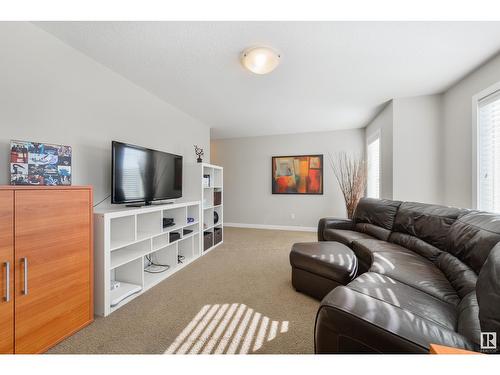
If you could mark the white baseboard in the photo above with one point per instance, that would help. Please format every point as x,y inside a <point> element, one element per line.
<point>272,227</point>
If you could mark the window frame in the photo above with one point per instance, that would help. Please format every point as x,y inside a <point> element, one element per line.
<point>377,134</point>
<point>476,99</point>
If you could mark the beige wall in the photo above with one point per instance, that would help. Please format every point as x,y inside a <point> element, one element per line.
<point>457,139</point>
<point>52,93</point>
<point>247,177</point>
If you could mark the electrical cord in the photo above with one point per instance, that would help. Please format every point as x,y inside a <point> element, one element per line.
<point>151,263</point>
<point>97,204</point>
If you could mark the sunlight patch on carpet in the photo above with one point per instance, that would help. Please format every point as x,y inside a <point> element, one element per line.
<point>226,329</point>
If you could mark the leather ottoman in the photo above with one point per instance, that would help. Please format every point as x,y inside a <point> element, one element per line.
<point>319,267</point>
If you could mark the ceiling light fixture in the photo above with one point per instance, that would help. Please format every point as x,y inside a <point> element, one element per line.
<point>260,60</point>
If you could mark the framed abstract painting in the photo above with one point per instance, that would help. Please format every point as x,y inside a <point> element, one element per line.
<point>301,174</point>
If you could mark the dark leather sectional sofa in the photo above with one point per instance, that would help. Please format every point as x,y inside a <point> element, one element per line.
<point>427,274</point>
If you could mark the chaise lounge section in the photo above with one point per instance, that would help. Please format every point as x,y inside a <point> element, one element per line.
<point>426,274</point>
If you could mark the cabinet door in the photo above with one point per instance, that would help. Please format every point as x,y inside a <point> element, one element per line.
<point>53,266</point>
<point>6,272</point>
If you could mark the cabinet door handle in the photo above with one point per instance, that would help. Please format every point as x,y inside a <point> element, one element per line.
<point>7,282</point>
<point>25,262</point>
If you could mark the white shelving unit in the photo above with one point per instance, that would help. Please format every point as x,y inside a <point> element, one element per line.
<point>125,237</point>
<point>213,232</point>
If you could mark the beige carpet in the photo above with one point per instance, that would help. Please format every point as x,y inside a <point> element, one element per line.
<point>236,299</point>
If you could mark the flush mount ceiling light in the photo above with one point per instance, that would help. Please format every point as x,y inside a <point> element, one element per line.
<point>260,60</point>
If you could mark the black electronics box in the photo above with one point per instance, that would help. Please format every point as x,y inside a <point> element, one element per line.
<point>174,236</point>
<point>168,222</point>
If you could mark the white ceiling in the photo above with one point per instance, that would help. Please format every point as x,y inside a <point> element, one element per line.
<point>333,75</point>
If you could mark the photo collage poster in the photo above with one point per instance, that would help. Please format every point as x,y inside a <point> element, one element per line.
<point>33,163</point>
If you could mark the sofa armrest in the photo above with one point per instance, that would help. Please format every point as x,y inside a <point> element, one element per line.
<point>488,294</point>
<point>333,223</point>
<point>352,322</point>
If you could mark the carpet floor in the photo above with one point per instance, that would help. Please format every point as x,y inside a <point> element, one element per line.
<point>236,299</point>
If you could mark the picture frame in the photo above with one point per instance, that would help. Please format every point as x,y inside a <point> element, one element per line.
<point>297,174</point>
<point>35,163</point>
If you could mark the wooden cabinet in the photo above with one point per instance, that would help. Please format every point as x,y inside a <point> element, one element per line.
<point>6,272</point>
<point>51,265</point>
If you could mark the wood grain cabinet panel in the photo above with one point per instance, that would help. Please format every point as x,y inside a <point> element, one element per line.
<point>6,272</point>
<point>53,260</point>
<point>46,238</point>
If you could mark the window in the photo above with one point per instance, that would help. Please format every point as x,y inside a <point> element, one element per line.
<point>373,180</point>
<point>488,154</point>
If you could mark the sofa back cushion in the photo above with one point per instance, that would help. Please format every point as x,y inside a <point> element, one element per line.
<point>472,237</point>
<point>428,222</point>
<point>375,217</point>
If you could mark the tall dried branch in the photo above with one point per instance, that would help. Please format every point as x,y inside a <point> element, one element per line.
<point>350,172</point>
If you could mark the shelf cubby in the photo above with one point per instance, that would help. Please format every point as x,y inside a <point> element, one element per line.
<point>186,249</point>
<point>193,212</point>
<point>196,245</point>
<point>130,276</point>
<point>149,224</point>
<point>208,239</point>
<point>208,218</point>
<point>193,228</point>
<point>160,241</point>
<point>122,231</point>
<point>179,216</point>
<point>128,253</point>
<point>217,178</point>
<point>166,256</point>
<point>218,210</point>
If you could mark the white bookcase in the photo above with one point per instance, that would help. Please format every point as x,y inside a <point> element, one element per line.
<point>207,192</point>
<point>126,237</point>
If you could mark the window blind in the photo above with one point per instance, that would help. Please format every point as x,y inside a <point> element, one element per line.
<point>373,180</point>
<point>489,153</point>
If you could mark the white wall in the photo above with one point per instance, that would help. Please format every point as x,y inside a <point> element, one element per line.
<point>50,92</point>
<point>417,151</point>
<point>383,123</point>
<point>411,149</point>
<point>457,139</point>
<point>247,177</point>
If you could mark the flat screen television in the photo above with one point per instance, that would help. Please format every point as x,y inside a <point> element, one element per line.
<point>142,175</point>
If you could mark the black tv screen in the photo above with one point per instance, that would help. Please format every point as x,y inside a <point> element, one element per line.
<point>143,175</point>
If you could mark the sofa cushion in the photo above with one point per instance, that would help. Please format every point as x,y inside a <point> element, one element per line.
<point>416,271</point>
<point>430,223</point>
<point>406,297</point>
<point>379,212</point>
<point>472,237</point>
<point>343,236</point>
<point>364,249</point>
<point>460,275</point>
<point>406,266</point>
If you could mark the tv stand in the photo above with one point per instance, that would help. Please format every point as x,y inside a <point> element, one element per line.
<point>125,240</point>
